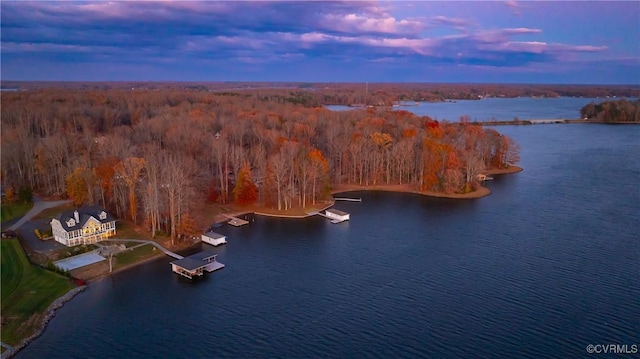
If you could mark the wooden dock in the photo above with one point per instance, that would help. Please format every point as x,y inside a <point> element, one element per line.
<point>236,222</point>
<point>333,220</point>
<point>214,266</point>
<point>347,199</point>
<point>157,245</point>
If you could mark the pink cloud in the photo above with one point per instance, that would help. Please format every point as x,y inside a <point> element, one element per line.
<point>354,23</point>
<point>502,35</point>
<point>514,6</point>
<point>451,21</point>
<point>580,48</point>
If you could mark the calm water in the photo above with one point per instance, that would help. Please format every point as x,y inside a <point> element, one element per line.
<point>546,265</point>
<point>525,108</point>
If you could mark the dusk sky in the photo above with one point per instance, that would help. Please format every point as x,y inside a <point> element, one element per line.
<point>399,41</point>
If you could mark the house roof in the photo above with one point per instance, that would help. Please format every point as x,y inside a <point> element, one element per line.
<point>214,235</point>
<point>189,263</point>
<point>84,214</point>
<point>202,256</point>
<point>194,261</point>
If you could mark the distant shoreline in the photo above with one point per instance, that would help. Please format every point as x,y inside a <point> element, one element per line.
<point>549,121</point>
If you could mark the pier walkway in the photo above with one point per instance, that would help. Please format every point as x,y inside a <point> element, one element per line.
<point>156,244</point>
<point>348,199</point>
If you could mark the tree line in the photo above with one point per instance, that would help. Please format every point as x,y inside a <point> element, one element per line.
<point>620,111</point>
<point>153,156</point>
<point>370,94</point>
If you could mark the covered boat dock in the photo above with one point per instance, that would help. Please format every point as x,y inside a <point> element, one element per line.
<point>195,265</point>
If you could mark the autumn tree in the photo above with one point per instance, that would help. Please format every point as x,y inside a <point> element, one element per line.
<point>79,186</point>
<point>319,169</point>
<point>382,164</point>
<point>104,172</point>
<point>245,191</point>
<point>192,141</point>
<point>188,226</point>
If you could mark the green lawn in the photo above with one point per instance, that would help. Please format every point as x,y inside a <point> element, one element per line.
<point>135,255</point>
<point>14,210</point>
<point>126,230</point>
<point>27,291</point>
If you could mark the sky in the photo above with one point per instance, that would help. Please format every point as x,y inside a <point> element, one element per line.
<point>349,41</point>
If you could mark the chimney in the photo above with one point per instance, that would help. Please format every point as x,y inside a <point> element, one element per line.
<point>76,216</point>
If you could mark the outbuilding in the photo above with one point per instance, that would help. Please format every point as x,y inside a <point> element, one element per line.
<point>337,215</point>
<point>214,238</point>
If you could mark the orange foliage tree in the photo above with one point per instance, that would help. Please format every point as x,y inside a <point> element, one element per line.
<point>187,226</point>
<point>319,170</point>
<point>104,172</point>
<point>79,185</point>
<point>245,192</point>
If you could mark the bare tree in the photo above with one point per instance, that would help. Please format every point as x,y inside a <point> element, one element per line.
<point>129,171</point>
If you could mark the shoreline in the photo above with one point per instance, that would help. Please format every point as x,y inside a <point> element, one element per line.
<point>127,267</point>
<point>482,191</point>
<point>479,193</point>
<point>158,255</point>
<point>549,121</point>
<point>58,303</point>
<point>504,171</point>
<point>48,315</point>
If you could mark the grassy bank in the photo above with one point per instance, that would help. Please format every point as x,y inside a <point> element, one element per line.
<point>135,255</point>
<point>27,291</point>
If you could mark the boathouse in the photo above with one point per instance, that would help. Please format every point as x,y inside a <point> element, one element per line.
<point>196,264</point>
<point>337,215</point>
<point>214,238</point>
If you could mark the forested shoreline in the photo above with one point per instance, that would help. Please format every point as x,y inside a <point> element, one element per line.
<point>619,111</point>
<point>151,155</point>
<point>368,94</point>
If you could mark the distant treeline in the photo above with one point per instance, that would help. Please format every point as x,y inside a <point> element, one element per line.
<point>369,94</point>
<point>156,156</point>
<point>620,111</point>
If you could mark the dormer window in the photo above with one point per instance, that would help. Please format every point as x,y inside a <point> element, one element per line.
<point>71,222</point>
<point>103,215</point>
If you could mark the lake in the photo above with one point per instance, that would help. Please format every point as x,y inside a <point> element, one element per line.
<point>544,266</point>
<point>501,109</point>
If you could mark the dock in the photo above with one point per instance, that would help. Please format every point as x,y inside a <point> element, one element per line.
<point>195,265</point>
<point>236,222</point>
<point>347,199</point>
<point>333,215</point>
<point>157,245</point>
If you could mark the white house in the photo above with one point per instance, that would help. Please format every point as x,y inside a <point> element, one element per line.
<point>337,215</point>
<point>83,226</point>
<point>214,238</point>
